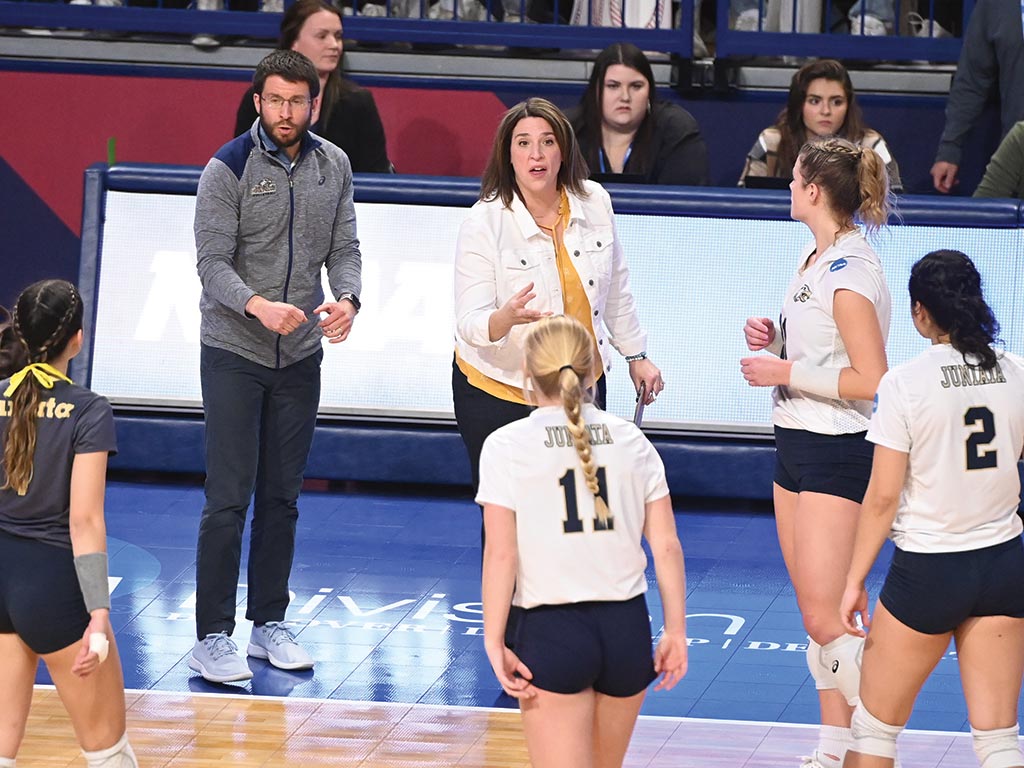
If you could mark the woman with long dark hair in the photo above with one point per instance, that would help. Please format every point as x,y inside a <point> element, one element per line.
<point>541,240</point>
<point>54,594</point>
<point>627,134</point>
<point>345,114</point>
<point>948,430</point>
<point>821,103</point>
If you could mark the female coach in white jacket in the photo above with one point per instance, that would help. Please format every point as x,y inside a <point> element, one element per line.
<point>540,241</point>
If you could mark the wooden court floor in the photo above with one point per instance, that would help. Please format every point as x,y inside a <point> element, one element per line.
<point>214,730</point>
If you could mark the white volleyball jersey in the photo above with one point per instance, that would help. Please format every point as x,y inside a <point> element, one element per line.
<point>964,431</point>
<point>808,327</point>
<point>531,467</point>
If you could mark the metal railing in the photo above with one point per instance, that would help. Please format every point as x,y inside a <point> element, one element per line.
<point>523,24</point>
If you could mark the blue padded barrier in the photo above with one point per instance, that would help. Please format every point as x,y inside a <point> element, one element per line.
<point>711,467</point>
<point>729,202</point>
<point>354,448</point>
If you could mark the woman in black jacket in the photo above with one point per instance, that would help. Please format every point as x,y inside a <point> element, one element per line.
<point>627,134</point>
<point>347,114</point>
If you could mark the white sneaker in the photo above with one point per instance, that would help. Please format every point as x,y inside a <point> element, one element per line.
<point>216,658</point>
<point>810,761</point>
<point>205,42</point>
<point>274,642</point>
<point>923,27</point>
<point>747,21</point>
<point>873,26</point>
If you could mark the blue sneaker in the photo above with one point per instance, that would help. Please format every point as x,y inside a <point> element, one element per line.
<point>216,658</point>
<point>274,642</point>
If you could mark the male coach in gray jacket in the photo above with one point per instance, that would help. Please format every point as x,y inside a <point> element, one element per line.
<point>274,207</point>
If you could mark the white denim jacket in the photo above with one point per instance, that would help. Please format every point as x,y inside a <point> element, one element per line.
<point>501,250</point>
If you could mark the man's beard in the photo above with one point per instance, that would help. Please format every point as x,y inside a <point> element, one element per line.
<point>299,131</point>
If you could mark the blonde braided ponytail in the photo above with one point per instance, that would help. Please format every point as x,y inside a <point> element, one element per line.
<point>559,353</point>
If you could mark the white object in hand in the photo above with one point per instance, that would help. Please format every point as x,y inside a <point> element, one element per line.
<point>99,645</point>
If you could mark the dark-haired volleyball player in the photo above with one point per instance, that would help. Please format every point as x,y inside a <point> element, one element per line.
<point>54,597</point>
<point>948,431</point>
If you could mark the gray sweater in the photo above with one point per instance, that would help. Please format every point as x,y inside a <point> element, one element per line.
<point>993,52</point>
<point>264,229</point>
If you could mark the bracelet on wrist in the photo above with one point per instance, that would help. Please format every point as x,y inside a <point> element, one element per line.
<point>634,358</point>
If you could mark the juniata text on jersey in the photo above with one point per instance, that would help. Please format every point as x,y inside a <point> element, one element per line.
<point>561,437</point>
<point>968,376</point>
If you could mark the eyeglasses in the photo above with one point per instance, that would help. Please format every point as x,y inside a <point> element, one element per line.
<point>295,102</point>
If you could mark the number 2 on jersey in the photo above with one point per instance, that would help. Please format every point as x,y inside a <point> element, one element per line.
<point>977,458</point>
<point>572,522</point>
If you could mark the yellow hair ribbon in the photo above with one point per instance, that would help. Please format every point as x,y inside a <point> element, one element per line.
<point>44,373</point>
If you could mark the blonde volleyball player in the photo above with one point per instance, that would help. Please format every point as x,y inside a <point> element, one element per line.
<point>54,598</point>
<point>828,357</point>
<point>948,431</point>
<point>567,493</point>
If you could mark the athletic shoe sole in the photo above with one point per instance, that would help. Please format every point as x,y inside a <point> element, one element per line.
<point>259,652</point>
<point>196,666</point>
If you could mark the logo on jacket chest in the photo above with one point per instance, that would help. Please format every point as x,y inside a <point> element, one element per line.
<point>803,294</point>
<point>264,187</point>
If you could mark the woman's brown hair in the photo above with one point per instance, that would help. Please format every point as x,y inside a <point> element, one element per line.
<point>591,111</point>
<point>46,317</point>
<point>295,17</point>
<point>790,122</point>
<point>499,180</point>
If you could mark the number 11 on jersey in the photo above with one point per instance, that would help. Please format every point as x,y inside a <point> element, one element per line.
<point>572,523</point>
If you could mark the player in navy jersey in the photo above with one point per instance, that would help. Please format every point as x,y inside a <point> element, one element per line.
<point>54,594</point>
<point>568,492</point>
<point>948,431</point>
<point>828,357</point>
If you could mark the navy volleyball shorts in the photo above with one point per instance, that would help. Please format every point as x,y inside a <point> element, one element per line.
<point>40,599</point>
<point>601,645</point>
<point>836,465</point>
<point>936,592</point>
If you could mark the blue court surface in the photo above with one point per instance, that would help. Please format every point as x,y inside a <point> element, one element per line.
<point>386,597</point>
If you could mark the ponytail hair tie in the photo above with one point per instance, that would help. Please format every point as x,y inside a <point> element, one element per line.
<point>567,368</point>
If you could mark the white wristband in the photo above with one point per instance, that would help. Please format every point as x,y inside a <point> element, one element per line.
<point>99,645</point>
<point>815,379</point>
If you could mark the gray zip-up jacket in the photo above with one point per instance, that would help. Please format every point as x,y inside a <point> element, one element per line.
<point>264,229</point>
<point>992,53</point>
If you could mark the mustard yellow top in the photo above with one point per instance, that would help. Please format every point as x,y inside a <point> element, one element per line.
<point>574,304</point>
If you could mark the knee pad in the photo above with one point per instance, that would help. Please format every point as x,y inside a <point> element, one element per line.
<point>118,756</point>
<point>871,736</point>
<point>842,658</point>
<point>998,748</point>
<point>7,762</point>
<point>823,679</point>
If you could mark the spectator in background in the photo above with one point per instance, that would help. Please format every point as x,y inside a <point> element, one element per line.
<point>821,103</point>
<point>865,17</point>
<point>626,134</point>
<point>641,14</point>
<point>1004,176</point>
<point>993,52</point>
<point>347,114</point>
